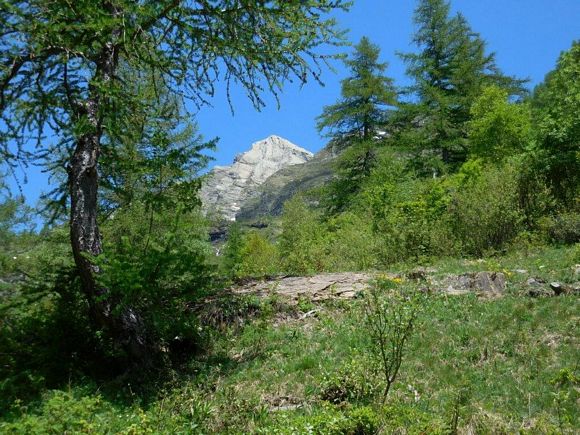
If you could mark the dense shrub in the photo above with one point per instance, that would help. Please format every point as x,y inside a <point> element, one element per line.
<point>302,239</point>
<point>562,227</point>
<point>46,338</point>
<point>327,421</point>
<point>405,211</point>
<point>350,243</point>
<point>157,268</point>
<point>484,212</point>
<point>259,257</point>
<point>45,333</point>
<point>351,383</point>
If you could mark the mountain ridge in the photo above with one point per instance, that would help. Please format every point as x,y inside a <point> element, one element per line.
<point>226,188</point>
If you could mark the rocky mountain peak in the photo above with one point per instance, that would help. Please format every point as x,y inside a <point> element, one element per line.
<point>227,187</point>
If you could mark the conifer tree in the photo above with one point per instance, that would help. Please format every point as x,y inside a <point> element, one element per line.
<point>60,64</point>
<point>449,71</point>
<point>366,96</point>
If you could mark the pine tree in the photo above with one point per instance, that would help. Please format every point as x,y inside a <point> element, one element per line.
<point>449,72</point>
<point>366,96</point>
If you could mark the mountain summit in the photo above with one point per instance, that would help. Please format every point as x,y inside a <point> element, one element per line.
<point>227,187</point>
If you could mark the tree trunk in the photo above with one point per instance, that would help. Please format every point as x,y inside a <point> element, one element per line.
<point>122,323</point>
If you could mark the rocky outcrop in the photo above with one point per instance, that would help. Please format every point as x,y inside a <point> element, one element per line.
<point>226,188</point>
<point>349,285</point>
<point>269,198</point>
<point>345,285</point>
<point>483,283</point>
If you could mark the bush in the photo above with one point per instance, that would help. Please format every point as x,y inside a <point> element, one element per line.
<point>350,243</point>
<point>327,421</point>
<point>562,228</point>
<point>47,340</point>
<point>302,239</point>
<point>351,383</point>
<point>61,412</point>
<point>484,212</point>
<point>391,311</point>
<point>405,418</point>
<point>259,257</point>
<point>154,263</point>
<point>406,213</point>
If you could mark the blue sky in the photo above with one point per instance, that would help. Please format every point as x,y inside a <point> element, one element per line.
<point>527,36</point>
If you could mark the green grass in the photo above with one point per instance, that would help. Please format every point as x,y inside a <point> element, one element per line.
<point>490,366</point>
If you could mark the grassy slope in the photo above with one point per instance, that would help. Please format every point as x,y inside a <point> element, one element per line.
<point>498,365</point>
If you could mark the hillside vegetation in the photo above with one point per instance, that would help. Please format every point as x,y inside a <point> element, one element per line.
<point>456,198</point>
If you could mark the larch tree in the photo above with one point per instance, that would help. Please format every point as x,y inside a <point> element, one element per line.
<point>356,120</point>
<point>366,95</point>
<point>449,72</point>
<point>498,129</point>
<point>61,81</point>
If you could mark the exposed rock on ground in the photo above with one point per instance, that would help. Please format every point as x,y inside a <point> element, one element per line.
<point>537,287</point>
<point>316,288</point>
<point>489,283</point>
<point>348,285</point>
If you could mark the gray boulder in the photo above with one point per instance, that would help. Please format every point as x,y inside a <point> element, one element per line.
<point>490,283</point>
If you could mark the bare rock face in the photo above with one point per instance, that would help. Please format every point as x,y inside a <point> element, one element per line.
<point>227,187</point>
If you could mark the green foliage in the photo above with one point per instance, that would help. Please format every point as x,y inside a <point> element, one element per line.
<point>155,262</point>
<point>232,251</point>
<point>449,73</point>
<point>366,96</point>
<point>39,38</point>
<point>391,312</point>
<point>352,168</point>
<point>45,336</point>
<point>259,257</point>
<point>61,412</point>
<point>498,128</point>
<point>350,243</point>
<point>557,113</point>
<point>562,227</point>
<point>301,250</point>
<point>407,417</point>
<point>66,69</point>
<point>484,213</point>
<point>328,421</point>
<point>16,235</point>
<point>405,212</point>
<point>352,383</point>
<point>161,152</point>
<point>481,208</point>
<point>355,121</point>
